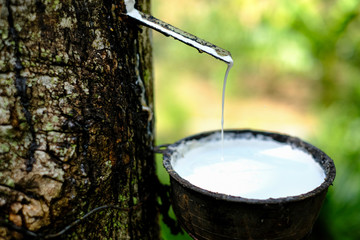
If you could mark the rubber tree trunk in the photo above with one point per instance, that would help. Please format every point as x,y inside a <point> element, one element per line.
<point>76,120</point>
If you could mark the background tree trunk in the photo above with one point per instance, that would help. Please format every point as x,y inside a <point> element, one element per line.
<point>76,120</point>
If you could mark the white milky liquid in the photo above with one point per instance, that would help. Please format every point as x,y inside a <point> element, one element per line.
<point>223,105</point>
<point>256,169</point>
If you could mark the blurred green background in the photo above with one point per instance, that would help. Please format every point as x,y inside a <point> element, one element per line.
<point>296,71</point>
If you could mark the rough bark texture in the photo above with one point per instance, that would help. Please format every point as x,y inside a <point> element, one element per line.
<point>76,120</point>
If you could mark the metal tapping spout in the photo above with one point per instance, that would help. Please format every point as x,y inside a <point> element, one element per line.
<point>169,30</point>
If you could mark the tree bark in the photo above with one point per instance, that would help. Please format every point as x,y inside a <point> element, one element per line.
<point>76,120</point>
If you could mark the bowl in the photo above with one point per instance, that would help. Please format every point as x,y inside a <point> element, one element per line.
<point>214,216</point>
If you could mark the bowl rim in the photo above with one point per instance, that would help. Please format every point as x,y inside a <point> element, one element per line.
<point>324,160</point>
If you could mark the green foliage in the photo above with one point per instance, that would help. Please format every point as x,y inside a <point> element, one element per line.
<point>315,43</point>
<point>340,138</point>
